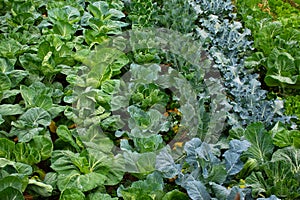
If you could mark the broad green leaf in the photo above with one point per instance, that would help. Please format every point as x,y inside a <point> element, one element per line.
<point>11,181</point>
<point>34,92</point>
<point>255,59</point>
<point>65,134</point>
<point>281,136</point>
<point>9,94</point>
<point>21,168</point>
<point>116,13</point>
<point>281,69</point>
<point>113,167</point>
<point>93,37</point>
<point>25,7</point>
<point>283,180</point>
<point>25,154</point>
<point>146,74</point>
<point>68,14</point>
<point>148,144</point>
<point>165,164</point>
<point>43,101</point>
<point>9,48</point>
<point>97,25</point>
<point>232,156</point>
<point>1,119</point>
<point>197,191</point>
<point>56,14</point>
<point>98,9</point>
<point>72,194</point>
<point>94,138</point>
<point>6,148</point>
<point>257,183</point>
<point>140,163</point>
<point>61,162</point>
<point>290,155</point>
<point>55,110</point>
<point>83,182</point>
<point>285,138</point>
<point>44,49</point>
<point>35,117</point>
<point>262,146</point>
<point>73,14</point>
<point>217,174</point>
<point>43,145</point>
<point>104,63</point>
<point>10,109</point>
<point>16,76</point>
<point>279,80</point>
<point>51,179</point>
<point>250,165</point>
<point>25,19</point>
<point>77,171</point>
<point>28,124</point>
<point>6,65</point>
<point>28,95</point>
<point>98,195</point>
<point>11,193</point>
<point>175,194</point>
<point>220,191</point>
<point>5,83</point>
<point>23,133</point>
<point>31,63</point>
<point>64,29</point>
<point>151,188</point>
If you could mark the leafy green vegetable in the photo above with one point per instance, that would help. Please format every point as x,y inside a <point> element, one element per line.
<point>279,181</point>
<point>282,70</point>
<point>29,124</point>
<point>18,168</point>
<point>11,193</point>
<point>283,137</point>
<point>151,188</point>
<point>9,109</point>
<point>261,147</point>
<point>292,106</point>
<point>86,171</point>
<point>98,195</point>
<point>291,156</point>
<point>72,193</point>
<point>175,194</point>
<point>66,135</point>
<point>91,101</point>
<point>11,182</point>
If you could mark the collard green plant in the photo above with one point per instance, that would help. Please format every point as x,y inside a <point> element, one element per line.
<point>276,40</point>
<point>86,171</point>
<point>201,170</point>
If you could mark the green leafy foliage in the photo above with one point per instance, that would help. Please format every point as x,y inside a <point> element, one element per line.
<point>151,188</point>
<point>90,111</point>
<point>275,28</point>
<point>261,147</point>
<point>292,106</point>
<point>269,170</point>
